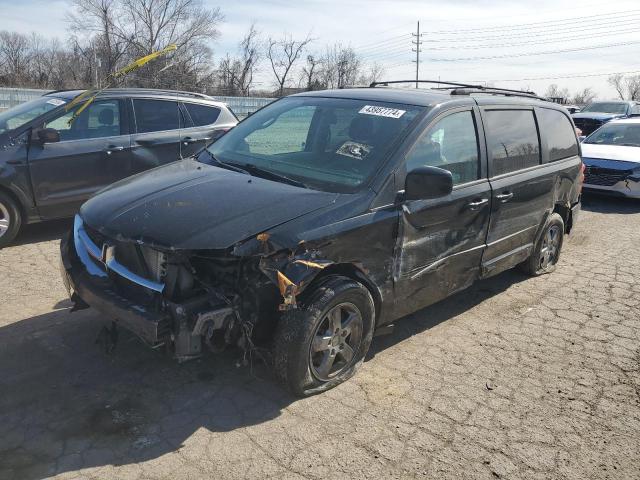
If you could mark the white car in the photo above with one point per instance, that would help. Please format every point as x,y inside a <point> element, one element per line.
<point>611,156</point>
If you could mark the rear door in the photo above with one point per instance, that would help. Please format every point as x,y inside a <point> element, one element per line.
<point>527,176</point>
<point>156,138</point>
<point>201,130</point>
<point>440,241</point>
<point>92,153</point>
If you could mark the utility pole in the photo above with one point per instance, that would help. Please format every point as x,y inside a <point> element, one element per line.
<point>417,42</point>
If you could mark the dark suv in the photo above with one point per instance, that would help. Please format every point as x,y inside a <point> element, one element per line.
<point>324,216</point>
<point>596,114</point>
<point>50,166</point>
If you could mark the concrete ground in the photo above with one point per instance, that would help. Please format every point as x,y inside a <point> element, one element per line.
<point>515,378</point>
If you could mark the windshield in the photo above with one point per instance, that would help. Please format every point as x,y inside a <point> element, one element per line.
<point>626,134</point>
<point>330,144</point>
<point>606,107</point>
<point>25,112</point>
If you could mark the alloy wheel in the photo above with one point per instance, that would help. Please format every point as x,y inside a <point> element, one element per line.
<point>550,247</point>
<point>336,340</point>
<point>5,220</point>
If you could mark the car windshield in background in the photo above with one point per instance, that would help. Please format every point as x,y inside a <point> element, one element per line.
<point>330,144</point>
<point>624,134</point>
<point>17,116</point>
<point>606,107</point>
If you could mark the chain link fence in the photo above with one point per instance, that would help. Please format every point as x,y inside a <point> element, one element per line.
<point>242,106</point>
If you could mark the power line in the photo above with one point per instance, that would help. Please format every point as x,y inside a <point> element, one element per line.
<point>522,26</point>
<point>541,33</point>
<point>548,52</point>
<point>543,42</point>
<point>560,77</point>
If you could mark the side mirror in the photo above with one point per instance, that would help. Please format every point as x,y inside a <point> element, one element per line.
<point>423,183</point>
<point>581,138</point>
<point>48,135</point>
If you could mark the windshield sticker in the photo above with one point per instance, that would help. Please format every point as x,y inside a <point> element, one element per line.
<point>382,111</point>
<point>354,150</point>
<point>56,102</point>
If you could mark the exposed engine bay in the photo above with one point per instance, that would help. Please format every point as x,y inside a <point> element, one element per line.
<point>192,300</point>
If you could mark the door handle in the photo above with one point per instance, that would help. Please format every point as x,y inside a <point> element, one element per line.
<point>504,197</point>
<point>477,203</point>
<point>113,148</point>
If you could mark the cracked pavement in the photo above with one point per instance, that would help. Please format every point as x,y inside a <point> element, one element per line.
<point>514,378</point>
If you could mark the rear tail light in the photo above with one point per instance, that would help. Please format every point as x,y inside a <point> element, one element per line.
<point>581,178</point>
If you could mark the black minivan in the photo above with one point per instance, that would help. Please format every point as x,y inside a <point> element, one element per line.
<point>324,216</point>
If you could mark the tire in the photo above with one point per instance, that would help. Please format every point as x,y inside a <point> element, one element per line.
<point>10,219</point>
<point>546,252</point>
<point>309,338</point>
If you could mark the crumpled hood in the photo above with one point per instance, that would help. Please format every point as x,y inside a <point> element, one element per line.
<point>611,152</point>
<point>190,205</point>
<point>597,115</point>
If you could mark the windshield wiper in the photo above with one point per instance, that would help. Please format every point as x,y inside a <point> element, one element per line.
<point>228,166</point>
<point>262,172</point>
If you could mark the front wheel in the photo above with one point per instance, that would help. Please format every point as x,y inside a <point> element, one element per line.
<point>10,220</point>
<point>546,252</point>
<point>323,342</point>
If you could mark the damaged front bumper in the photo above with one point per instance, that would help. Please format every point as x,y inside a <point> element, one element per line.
<point>89,271</point>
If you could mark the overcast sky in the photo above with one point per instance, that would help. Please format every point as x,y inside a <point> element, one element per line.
<point>457,32</point>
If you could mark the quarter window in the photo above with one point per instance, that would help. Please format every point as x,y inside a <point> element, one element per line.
<point>202,114</point>
<point>450,144</point>
<point>156,115</point>
<point>100,119</point>
<point>559,133</point>
<point>512,140</point>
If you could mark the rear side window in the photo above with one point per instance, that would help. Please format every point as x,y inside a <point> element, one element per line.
<point>512,140</point>
<point>202,114</point>
<point>559,133</point>
<point>156,115</point>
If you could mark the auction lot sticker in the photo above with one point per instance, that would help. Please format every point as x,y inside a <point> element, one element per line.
<point>382,111</point>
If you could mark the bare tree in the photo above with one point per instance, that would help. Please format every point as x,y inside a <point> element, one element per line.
<point>311,73</point>
<point>103,20</point>
<point>235,74</point>
<point>15,56</point>
<point>633,87</point>
<point>374,73</point>
<point>617,82</point>
<point>283,53</point>
<point>341,67</point>
<point>584,96</point>
<point>553,91</point>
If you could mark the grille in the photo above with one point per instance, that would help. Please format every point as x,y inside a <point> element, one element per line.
<point>604,177</point>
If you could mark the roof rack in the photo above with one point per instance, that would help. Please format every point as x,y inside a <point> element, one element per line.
<point>135,89</point>
<point>466,89</point>
<point>455,84</point>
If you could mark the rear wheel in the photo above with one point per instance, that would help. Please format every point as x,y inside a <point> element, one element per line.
<point>546,253</point>
<point>10,219</point>
<point>323,342</point>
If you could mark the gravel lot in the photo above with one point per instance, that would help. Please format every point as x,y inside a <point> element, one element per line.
<point>513,378</point>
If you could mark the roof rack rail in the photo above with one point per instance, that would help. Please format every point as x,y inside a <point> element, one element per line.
<point>134,89</point>
<point>466,89</point>
<point>455,84</point>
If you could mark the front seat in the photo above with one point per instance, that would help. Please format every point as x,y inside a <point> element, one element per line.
<point>105,121</point>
